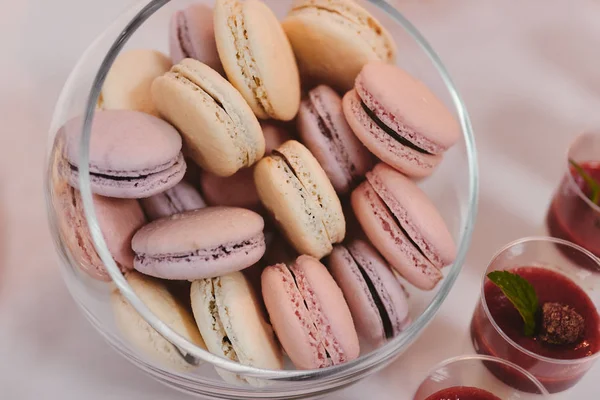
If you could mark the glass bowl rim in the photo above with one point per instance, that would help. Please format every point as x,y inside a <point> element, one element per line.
<point>363,363</point>
<point>531,239</point>
<point>571,179</point>
<point>482,357</point>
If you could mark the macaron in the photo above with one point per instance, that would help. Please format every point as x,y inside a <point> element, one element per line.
<point>220,130</point>
<point>376,299</point>
<point>192,35</point>
<point>232,324</point>
<point>325,132</point>
<point>119,219</point>
<point>141,335</point>
<point>128,82</point>
<point>399,119</point>
<point>297,192</point>
<point>131,154</point>
<point>199,244</point>
<point>334,39</point>
<point>404,225</point>
<point>309,314</point>
<point>276,134</point>
<point>180,198</point>
<point>257,57</point>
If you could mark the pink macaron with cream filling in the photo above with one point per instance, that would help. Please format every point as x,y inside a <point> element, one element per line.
<point>399,119</point>
<point>309,314</point>
<point>404,225</point>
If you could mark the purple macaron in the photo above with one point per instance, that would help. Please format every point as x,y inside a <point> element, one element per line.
<point>131,154</point>
<point>323,129</point>
<point>377,300</point>
<point>204,243</point>
<point>192,35</point>
<point>180,198</point>
<point>399,119</point>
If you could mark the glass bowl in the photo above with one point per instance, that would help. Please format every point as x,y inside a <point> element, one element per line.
<point>453,189</point>
<point>473,372</point>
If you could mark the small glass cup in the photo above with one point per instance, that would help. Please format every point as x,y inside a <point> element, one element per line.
<point>572,215</point>
<point>471,372</point>
<point>488,338</point>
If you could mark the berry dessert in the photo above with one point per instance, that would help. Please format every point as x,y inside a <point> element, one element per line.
<point>463,393</point>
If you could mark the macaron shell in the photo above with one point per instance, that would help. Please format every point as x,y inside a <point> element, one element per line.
<point>268,76</point>
<point>406,104</point>
<point>128,82</point>
<point>323,33</point>
<point>295,213</point>
<point>291,320</point>
<point>381,228</point>
<point>124,143</point>
<point>318,186</point>
<point>323,129</point>
<point>180,198</point>
<point>385,147</point>
<point>141,335</point>
<point>365,314</point>
<point>417,214</point>
<point>220,131</point>
<point>192,35</point>
<point>327,308</point>
<point>237,190</point>
<point>275,135</point>
<point>389,289</point>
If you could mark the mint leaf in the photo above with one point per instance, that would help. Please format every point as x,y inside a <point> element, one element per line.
<point>591,182</point>
<point>521,294</point>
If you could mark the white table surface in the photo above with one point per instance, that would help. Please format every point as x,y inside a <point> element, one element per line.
<point>528,70</point>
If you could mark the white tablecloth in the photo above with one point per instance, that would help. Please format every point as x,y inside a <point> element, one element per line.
<point>528,70</point>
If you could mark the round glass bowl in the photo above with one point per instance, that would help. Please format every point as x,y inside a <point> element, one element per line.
<point>453,189</point>
<point>473,372</point>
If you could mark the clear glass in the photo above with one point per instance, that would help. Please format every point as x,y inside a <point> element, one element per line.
<point>572,215</point>
<point>453,188</point>
<point>489,339</point>
<point>473,371</point>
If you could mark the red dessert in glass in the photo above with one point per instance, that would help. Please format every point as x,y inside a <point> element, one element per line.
<point>547,362</point>
<point>463,393</point>
<point>573,216</point>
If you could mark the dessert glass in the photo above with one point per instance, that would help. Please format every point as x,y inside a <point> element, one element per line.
<point>471,371</point>
<point>556,374</point>
<point>572,215</point>
<point>453,189</point>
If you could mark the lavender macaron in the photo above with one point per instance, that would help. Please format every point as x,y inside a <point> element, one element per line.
<point>399,119</point>
<point>131,154</point>
<point>180,198</point>
<point>325,132</point>
<point>199,244</point>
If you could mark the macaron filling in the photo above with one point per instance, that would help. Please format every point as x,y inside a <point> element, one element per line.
<point>385,318</point>
<point>183,36</point>
<point>245,59</point>
<point>202,255</point>
<point>132,176</point>
<point>404,221</point>
<point>217,324</point>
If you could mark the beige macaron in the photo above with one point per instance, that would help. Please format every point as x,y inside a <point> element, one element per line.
<point>257,57</point>
<point>164,305</point>
<point>231,320</point>
<point>334,39</point>
<point>127,85</point>
<point>220,131</point>
<point>295,189</point>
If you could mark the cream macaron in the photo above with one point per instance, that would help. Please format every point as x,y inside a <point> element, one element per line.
<point>220,131</point>
<point>296,190</point>
<point>257,57</point>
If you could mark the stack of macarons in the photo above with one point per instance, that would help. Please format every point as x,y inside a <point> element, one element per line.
<point>285,122</point>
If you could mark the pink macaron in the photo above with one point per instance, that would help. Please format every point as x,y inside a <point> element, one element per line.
<point>404,225</point>
<point>192,35</point>
<point>399,119</point>
<point>180,198</point>
<point>309,314</point>
<point>199,244</point>
<point>324,131</point>
<point>131,154</point>
<point>378,302</point>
